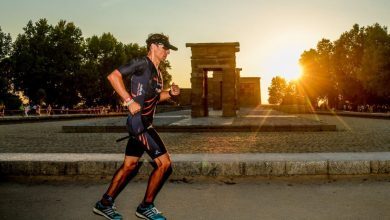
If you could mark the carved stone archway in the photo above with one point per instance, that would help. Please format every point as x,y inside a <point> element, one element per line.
<point>220,58</point>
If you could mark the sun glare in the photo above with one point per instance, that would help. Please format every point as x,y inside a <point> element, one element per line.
<point>284,62</point>
<point>287,70</point>
<point>294,74</point>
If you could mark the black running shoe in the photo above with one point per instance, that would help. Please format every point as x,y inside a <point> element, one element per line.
<point>107,211</point>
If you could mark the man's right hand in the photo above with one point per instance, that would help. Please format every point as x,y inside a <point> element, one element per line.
<point>134,108</point>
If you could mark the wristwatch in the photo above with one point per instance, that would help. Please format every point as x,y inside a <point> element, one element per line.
<point>171,95</point>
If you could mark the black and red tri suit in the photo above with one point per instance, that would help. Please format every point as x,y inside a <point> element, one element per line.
<point>146,86</point>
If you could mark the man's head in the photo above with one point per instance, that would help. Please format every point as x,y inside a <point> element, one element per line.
<point>159,40</point>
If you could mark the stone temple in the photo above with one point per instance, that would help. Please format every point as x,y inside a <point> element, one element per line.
<point>216,81</point>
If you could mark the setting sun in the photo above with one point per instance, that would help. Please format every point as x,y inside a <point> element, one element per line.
<point>285,64</point>
<point>294,74</point>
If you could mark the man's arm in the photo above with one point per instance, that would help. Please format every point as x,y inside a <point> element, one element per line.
<point>164,95</point>
<point>116,82</point>
<point>174,91</point>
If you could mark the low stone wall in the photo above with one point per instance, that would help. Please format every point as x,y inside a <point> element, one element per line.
<point>202,165</point>
<point>171,108</point>
<point>293,109</point>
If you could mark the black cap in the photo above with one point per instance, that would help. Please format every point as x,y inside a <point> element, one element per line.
<point>160,39</point>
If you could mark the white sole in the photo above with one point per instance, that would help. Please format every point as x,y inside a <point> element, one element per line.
<point>97,211</point>
<point>140,216</point>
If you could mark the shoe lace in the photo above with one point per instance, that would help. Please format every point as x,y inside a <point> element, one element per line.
<point>113,207</point>
<point>155,210</point>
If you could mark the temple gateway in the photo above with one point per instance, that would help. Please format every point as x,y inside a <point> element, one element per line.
<point>216,81</point>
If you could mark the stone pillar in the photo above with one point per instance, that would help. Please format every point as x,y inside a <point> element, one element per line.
<point>205,95</point>
<point>197,108</point>
<point>237,85</point>
<point>229,93</point>
<point>259,90</point>
<point>217,90</point>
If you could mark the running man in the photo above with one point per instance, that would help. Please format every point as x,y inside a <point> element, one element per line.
<point>146,91</point>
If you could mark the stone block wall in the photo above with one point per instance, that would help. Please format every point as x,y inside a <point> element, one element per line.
<point>213,57</point>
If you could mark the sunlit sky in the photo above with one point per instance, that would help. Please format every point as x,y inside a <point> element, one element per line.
<point>272,34</point>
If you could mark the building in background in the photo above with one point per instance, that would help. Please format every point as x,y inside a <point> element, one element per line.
<point>216,82</point>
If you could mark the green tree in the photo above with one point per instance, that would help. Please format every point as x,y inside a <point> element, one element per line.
<point>46,61</point>
<point>66,45</point>
<point>347,60</point>
<point>277,89</point>
<point>355,67</point>
<point>5,49</point>
<point>56,65</point>
<point>291,94</point>
<point>5,44</point>
<point>375,66</point>
<point>32,58</point>
<point>7,96</point>
<point>318,80</point>
<point>167,78</point>
<point>102,55</point>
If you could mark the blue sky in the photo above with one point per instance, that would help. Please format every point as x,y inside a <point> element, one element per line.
<point>272,34</point>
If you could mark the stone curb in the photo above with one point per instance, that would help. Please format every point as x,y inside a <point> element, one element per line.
<point>355,114</point>
<point>43,118</point>
<point>201,165</point>
<point>203,128</point>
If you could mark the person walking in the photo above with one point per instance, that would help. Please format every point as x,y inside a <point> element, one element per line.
<point>146,91</point>
<point>2,110</point>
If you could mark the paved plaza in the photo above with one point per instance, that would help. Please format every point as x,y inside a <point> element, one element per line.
<point>248,120</point>
<point>257,199</point>
<point>352,134</point>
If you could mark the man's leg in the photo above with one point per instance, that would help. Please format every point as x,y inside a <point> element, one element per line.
<point>126,172</point>
<point>161,172</point>
<point>121,178</point>
<point>162,169</point>
<point>123,175</point>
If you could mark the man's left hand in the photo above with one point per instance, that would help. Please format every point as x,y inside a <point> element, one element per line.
<point>175,90</point>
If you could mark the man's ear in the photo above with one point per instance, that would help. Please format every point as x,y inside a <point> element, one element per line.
<point>153,46</point>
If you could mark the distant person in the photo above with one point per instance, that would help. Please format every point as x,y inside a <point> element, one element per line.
<point>146,92</point>
<point>26,110</point>
<point>2,110</point>
<point>34,109</point>
<point>48,109</point>
<point>38,110</point>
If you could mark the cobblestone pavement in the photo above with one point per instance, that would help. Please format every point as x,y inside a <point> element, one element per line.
<point>353,135</point>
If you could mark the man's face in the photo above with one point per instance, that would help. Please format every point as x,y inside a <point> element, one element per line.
<point>161,52</point>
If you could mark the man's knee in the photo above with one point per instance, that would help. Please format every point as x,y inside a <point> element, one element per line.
<point>164,163</point>
<point>130,165</point>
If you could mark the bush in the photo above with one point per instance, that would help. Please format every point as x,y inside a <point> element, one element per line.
<point>11,102</point>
